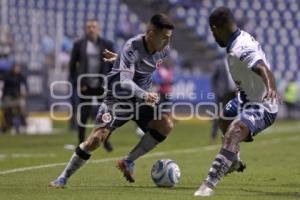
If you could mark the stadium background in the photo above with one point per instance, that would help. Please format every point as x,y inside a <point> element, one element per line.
<point>39,34</point>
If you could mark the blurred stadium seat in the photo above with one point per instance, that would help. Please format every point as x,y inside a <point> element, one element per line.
<point>40,28</point>
<point>37,18</point>
<point>275,24</point>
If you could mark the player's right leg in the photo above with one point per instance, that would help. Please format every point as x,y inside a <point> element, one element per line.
<point>229,113</point>
<point>81,155</point>
<point>238,165</point>
<point>156,131</point>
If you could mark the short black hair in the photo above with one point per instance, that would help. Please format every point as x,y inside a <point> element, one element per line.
<point>161,21</point>
<point>221,16</point>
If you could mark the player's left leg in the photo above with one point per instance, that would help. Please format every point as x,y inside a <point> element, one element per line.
<point>156,131</point>
<point>106,122</point>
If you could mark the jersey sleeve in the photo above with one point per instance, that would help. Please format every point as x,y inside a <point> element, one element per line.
<point>251,55</point>
<point>128,59</point>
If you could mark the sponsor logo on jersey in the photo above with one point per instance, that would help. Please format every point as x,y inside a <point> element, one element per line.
<point>246,55</point>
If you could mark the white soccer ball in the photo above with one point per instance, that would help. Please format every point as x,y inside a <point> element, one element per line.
<point>165,173</point>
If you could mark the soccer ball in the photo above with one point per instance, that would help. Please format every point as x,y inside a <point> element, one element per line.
<point>165,173</point>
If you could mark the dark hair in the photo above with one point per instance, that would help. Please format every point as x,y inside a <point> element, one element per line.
<point>221,17</point>
<point>161,21</point>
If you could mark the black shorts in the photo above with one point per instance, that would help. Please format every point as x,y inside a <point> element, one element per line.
<point>113,113</point>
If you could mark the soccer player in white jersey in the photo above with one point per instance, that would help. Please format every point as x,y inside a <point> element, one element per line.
<point>256,105</point>
<point>128,98</point>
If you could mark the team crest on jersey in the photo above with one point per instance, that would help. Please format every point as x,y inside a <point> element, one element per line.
<point>106,117</point>
<point>159,63</point>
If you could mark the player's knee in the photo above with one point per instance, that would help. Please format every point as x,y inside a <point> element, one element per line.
<point>96,138</point>
<point>162,126</point>
<point>165,125</point>
<point>93,142</point>
<point>236,133</point>
<point>240,129</point>
<point>169,125</point>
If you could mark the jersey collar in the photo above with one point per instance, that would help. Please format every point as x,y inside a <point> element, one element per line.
<point>232,38</point>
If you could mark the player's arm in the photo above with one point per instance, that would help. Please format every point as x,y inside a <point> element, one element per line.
<point>128,59</point>
<point>254,59</point>
<point>263,71</point>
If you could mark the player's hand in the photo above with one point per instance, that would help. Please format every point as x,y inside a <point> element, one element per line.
<point>272,96</point>
<point>152,98</point>
<point>109,56</point>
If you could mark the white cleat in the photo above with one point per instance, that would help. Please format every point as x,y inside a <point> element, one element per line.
<point>204,191</point>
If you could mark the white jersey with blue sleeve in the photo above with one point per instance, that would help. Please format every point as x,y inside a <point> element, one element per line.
<point>244,52</point>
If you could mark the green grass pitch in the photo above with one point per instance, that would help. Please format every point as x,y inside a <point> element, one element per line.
<point>28,163</point>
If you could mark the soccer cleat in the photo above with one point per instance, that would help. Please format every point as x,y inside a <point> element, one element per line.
<point>205,190</point>
<point>58,183</point>
<point>126,167</point>
<point>238,166</point>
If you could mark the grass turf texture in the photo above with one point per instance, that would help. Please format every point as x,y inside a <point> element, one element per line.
<point>273,162</point>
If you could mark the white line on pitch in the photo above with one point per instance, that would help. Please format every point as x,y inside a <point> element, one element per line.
<point>25,155</point>
<point>272,130</point>
<point>182,151</point>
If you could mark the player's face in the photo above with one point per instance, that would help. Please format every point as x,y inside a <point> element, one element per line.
<point>161,38</point>
<point>218,36</point>
<point>92,29</point>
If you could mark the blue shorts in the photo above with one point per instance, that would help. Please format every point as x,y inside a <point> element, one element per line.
<point>254,116</point>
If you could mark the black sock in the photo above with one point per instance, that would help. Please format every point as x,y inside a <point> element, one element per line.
<point>150,140</point>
